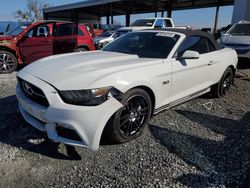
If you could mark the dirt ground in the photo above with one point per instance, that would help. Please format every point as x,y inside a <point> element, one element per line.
<point>203,143</point>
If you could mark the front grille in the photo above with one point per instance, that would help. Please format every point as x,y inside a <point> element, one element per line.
<point>33,93</point>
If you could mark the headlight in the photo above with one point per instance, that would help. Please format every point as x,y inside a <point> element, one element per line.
<point>91,97</point>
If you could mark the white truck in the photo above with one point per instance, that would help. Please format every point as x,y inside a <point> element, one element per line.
<point>148,23</point>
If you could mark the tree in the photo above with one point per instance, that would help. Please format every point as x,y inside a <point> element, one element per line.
<point>33,11</point>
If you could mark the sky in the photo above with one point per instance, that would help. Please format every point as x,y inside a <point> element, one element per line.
<point>195,17</point>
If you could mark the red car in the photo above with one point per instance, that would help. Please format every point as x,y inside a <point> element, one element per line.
<point>29,42</point>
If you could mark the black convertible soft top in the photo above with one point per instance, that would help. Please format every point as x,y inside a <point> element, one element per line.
<point>190,32</point>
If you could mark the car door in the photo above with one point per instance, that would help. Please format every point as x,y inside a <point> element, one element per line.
<point>66,38</point>
<point>37,43</point>
<point>191,76</point>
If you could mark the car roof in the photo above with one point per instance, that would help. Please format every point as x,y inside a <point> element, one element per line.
<point>51,21</point>
<point>191,32</point>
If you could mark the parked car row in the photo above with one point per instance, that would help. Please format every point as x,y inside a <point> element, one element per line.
<point>31,41</point>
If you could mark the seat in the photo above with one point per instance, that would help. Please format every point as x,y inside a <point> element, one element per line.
<point>42,32</point>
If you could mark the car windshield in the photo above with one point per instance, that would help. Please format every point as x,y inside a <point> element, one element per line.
<point>17,30</point>
<point>240,30</point>
<point>144,22</point>
<point>144,44</point>
<point>106,34</point>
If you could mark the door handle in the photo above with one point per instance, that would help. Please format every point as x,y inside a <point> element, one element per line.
<point>210,63</point>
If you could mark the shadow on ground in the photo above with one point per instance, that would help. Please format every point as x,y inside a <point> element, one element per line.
<point>16,132</point>
<point>225,162</point>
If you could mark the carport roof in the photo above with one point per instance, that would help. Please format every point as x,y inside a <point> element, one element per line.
<point>121,7</point>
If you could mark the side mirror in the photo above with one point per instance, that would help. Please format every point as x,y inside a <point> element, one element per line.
<point>190,55</point>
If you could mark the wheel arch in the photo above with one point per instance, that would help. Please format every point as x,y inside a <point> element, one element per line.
<point>233,68</point>
<point>83,46</point>
<point>4,48</point>
<point>150,92</point>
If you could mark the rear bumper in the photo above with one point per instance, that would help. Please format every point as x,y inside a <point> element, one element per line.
<point>87,122</point>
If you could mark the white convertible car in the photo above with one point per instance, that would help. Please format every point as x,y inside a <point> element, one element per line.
<point>77,97</point>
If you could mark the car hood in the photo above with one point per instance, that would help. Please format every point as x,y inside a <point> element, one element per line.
<point>5,37</point>
<point>6,40</point>
<point>79,70</point>
<point>229,39</point>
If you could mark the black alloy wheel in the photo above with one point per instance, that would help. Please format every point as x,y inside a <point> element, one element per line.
<point>226,83</point>
<point>221,89</point>
<point>129,122</point>
<point>134,115</point>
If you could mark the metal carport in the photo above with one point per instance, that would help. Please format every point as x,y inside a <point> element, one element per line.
<point>93,10</point>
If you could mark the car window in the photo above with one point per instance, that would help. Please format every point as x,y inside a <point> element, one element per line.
<point>168,23</point>
<point>39,31</point>
<point>18,29</point>
<point>65,29</point>
<point>144,44</point>
<point>159,23</point>
<point>240,30</point>
<point>144,22</point>
<point>80,33</point>
<point>194,43</point>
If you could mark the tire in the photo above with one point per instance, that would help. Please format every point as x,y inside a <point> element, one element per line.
<point>80,50</point>
<point>8,62</point>
<point>129,122</point>
<point>220,89</point>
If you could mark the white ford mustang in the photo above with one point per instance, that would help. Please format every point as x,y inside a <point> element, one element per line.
<point>77,97</point>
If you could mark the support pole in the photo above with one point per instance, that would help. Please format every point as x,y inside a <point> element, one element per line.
<point>112,19</point>
<point>127,19</point>
<point>162,14</point>
<point>107,20</point>
<point>74,16</point>
<point>155,14</point>
<point>111,13</point>
<point>169,13</point>
<point>216,18</point>
<point>170,8</point>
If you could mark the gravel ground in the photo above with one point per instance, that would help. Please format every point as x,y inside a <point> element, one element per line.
<point>192,145</point>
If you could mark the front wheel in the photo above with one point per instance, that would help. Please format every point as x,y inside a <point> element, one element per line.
<point>222,88</point>
<point>129,122</point>
<point>8,62</point>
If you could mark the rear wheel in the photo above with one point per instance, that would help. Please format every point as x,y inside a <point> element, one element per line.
<point>129,122</point>
<point>222,88</point>
<point>8,62</point>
